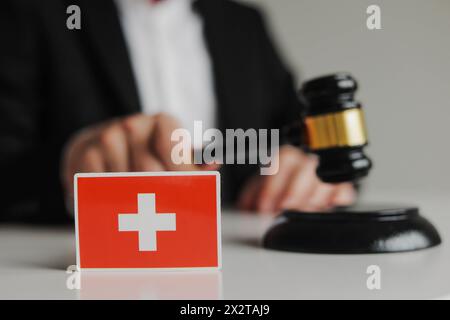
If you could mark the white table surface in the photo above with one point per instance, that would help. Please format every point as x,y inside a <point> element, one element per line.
<point>33,262</point>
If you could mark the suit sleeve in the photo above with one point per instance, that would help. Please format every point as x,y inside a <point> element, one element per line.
<point>286,106</point>
<point>19,109</point>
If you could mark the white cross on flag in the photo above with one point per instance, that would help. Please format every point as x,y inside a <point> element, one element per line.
<point>147,222</point>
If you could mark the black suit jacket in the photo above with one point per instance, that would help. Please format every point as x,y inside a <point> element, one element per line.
<point>54,81</point>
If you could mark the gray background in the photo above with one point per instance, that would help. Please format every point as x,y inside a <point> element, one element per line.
<point>403,70</point>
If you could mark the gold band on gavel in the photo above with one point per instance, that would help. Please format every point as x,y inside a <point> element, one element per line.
<point>333,130</point>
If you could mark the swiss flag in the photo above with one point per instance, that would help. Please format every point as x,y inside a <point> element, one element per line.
<point>148,220</point>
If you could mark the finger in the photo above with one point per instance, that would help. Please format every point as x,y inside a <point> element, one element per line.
<point>138,131</point>
<point>144,160</point>
<point>148,163</point>
<point>91,160</point>
<point>345,195</point>
<point>75,158</point>
<point>247,198</point>
<point>113,144</point>
<point>300,187</point>
<point>273,186</point>
<point>209,166</point>
<point>161,143</point>
<point>322,197</point>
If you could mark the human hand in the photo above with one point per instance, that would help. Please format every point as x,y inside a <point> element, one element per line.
<point>135,143</point>
<point>295,186</point>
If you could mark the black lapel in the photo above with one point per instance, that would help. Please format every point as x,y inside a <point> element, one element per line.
<point>101,24</point>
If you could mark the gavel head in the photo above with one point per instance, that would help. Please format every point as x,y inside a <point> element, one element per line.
<point>335,129</point>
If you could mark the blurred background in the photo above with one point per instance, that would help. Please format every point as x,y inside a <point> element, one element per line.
<point>403,71</point>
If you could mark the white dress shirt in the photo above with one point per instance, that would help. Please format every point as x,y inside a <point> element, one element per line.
<point>170,60</point>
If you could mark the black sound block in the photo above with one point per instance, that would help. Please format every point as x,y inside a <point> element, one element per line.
<point>356,229</point>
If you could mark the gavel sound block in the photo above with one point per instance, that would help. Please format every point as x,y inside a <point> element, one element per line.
<point>334,129</point>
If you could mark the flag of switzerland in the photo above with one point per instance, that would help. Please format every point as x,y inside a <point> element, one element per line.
<point>148,220</point>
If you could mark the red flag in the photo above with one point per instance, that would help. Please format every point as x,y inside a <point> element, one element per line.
<point>148,220</point>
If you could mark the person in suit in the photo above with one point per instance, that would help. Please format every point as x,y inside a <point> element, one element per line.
<point>106,97</point>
